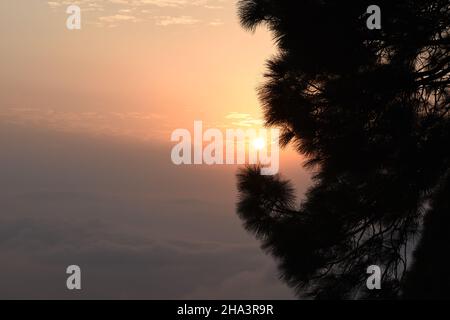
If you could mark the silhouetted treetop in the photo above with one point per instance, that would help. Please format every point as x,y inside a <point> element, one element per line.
<point>369,111</point>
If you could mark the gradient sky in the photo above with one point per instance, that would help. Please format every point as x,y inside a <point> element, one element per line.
<point>137,67</point>
<point>85,170</point>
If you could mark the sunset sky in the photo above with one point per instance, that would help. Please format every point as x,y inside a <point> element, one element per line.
<point>137,68</point>
<point>85,171</point>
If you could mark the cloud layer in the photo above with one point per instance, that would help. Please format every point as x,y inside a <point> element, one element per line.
<point>109,13</point>
<point>137,226</point>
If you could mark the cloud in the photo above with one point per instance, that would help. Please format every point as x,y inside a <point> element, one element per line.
<point>244,120</point>
<point>181,20</point>
<point>85,5</point>
<point>166,3</point>
<point>136,225</point>
<point>117,18</point>
<point>165,12</point>
<point>237,115</point>
<point>260,282</point>
<point>125,266</point>
<point>216,23</point>
<point>135,125</point>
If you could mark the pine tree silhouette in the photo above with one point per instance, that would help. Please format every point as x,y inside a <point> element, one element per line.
<point>369,111</point>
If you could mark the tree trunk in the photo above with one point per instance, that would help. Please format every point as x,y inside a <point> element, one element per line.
<point>429,277</point>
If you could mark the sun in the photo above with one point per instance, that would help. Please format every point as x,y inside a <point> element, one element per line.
<point>259,143</point>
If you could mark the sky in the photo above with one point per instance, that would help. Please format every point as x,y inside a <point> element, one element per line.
<point>85,171</point>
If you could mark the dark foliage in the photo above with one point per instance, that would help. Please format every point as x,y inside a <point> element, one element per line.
<point>369,111</point>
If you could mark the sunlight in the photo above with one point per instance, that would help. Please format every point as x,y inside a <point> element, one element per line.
<point>259,143</point>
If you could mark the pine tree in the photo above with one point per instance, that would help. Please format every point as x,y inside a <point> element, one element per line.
<point>369,111</point>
